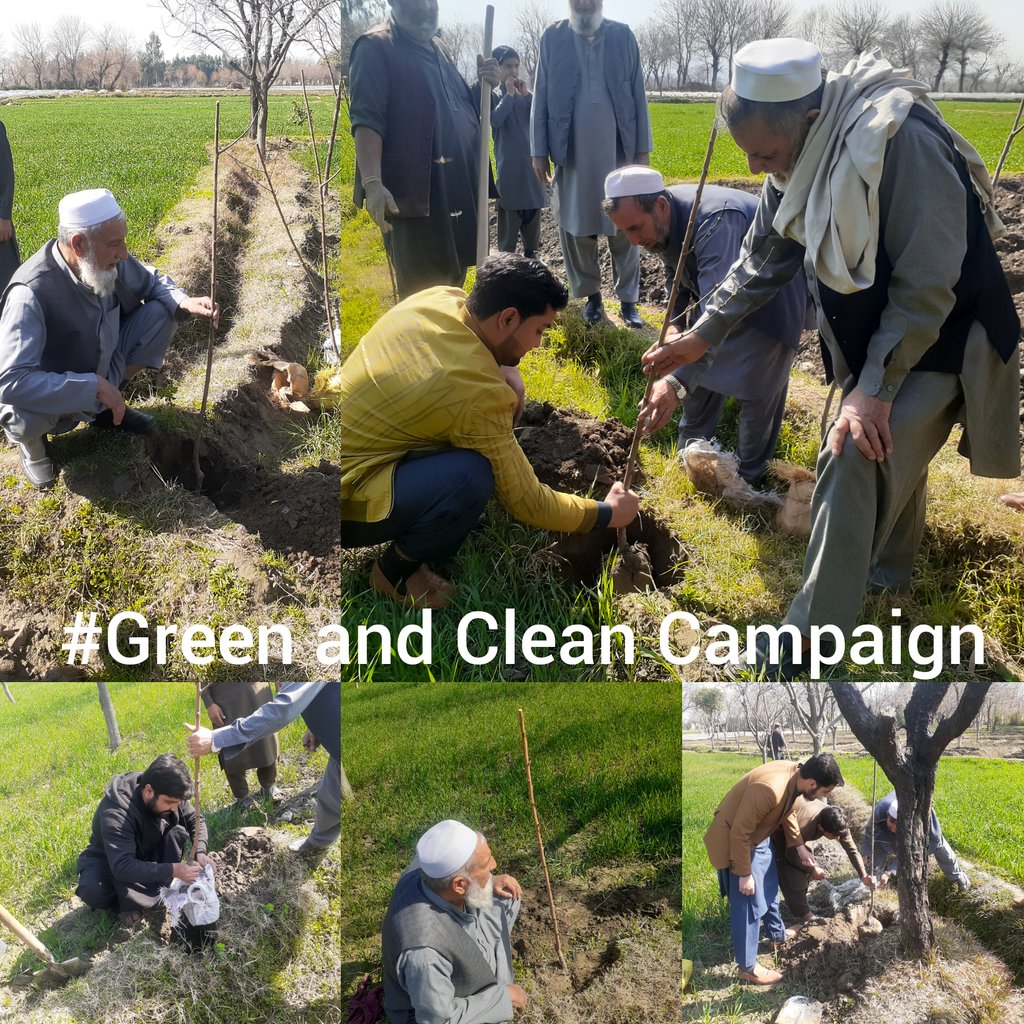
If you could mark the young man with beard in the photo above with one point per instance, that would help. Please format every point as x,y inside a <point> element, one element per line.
<point>139,833</point>
<point>426,428</point>
<point>589,117</point>
<point>417,136</point>
<point>752,366</point>
<point>890,212</point>
<point>79,319</point>
<point>445,938</point>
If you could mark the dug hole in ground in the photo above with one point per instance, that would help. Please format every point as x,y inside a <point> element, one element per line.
<point>124,527</point>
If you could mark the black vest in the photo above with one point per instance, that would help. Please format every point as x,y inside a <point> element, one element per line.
<point>981,293</point>
<point>322,716</point>
<point>412,920</point>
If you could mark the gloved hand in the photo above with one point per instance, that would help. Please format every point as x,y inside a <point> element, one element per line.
<point>379,203</point>
<point>488,71</point>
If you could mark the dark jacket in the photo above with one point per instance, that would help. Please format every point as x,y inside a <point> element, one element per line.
<point>127,835</point>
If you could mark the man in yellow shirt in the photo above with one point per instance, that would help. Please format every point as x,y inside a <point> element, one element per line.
<point>426,428</point>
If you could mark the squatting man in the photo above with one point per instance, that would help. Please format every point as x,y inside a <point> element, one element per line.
<point>445,938</point>
<point>78,320</point>
<point>139,833</point>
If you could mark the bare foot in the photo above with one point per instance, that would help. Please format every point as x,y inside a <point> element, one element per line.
<point>418,594</point>
<point>1014,501</point>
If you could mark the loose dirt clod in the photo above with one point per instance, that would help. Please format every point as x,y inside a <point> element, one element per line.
<point>633,570</point>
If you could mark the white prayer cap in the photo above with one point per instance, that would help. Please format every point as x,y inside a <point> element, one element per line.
<point>445,848</point>
<point>894,809</point>
<point>776,70</point>
<point>85,209</point>
<point>634,180</point>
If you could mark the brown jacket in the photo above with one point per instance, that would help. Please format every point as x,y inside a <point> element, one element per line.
<point>239,700</point>
<point>807,813</point>
<point>752,810</point>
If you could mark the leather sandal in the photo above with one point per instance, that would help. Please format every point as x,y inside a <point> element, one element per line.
<point>424,578</point>
<point>416,597</point>
<point>766,977</point>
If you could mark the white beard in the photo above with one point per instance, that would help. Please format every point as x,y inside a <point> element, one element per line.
<point>422,30</point>
<point>585,24</point>
<point>779,182</point>
<point>480,897</point>
<point>100,282</point>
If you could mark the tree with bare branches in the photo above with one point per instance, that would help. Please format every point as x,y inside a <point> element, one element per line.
<point>909,760</point>
<point>902,44</point>
<point>858,26</point>
<point>678,21</point>
<point>112,53</point>
<point>32,51</point>
<point>254,36</point>
<point>713,32</point>
<point>950,31</point>
<point>769,19</point>
<point>68,40</point>
<point>529,19</point>
<point>655,53</point>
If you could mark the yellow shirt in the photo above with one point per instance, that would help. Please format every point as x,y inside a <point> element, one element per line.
<point>422,380</point>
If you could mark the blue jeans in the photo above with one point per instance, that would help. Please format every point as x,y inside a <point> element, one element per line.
<point>437,499</point>
<point>747,912</point>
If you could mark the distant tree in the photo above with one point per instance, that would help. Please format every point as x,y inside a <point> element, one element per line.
<point>707,702</point>
<point>858,26</point>
<point>737,29</point>
<point>813,25</point>
<point>910,763</point>
<point>655,52</point>
<point>109,716</point>
<point>529,20</point>
<point>713,32</point>
<point>112,53</point>
<point>254,37</point>
<point>815,708</point>
<point>151,61</point>
<point>769,19</point>
<point>951,30</point>
<point>678,21</point>
<point>462,41</point>
<point>207,63</point>
<point>355,23</point>
<point>32,51</point>
<point>68,40</point>
<point>763,705</point>
<point>903,44</point>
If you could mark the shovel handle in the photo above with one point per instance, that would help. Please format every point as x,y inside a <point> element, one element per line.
<point>26,936</point>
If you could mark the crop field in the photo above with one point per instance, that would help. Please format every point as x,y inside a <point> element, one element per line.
<point>681,135</point>
<point>56,765</point>
<point>975,804</point>
<point>605,767</point>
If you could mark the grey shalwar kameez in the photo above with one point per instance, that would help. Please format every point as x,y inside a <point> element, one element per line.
<point>521,194</point>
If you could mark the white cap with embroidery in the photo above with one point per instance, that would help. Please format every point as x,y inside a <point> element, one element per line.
<point>776,70</point>
<point>88,208</point>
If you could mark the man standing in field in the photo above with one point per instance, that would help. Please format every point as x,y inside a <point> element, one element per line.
<point>417,136</point>
<point>139,833</point>
<point>589,117</point>
<point>884,821</point>
<point>79,319</point>
<point>9,258</point>
<point>753,365</point>
<point>816,820</point>
<point>739,846</point>
<point>319,704</point>
<point>426,428</point>
<point>890,213</point>
<point>445,938</point>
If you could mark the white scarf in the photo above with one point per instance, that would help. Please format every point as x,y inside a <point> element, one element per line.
<point>830,205</point>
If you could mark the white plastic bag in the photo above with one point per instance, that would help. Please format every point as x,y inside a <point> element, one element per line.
<point>198,901</point>
<point>717,472</point>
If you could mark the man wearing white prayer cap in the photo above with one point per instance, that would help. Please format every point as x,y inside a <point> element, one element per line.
<point>752,366</point>
<point>884,822</point>
<point>890,213</point>
<point>78,320</point>
<point>445,940</point>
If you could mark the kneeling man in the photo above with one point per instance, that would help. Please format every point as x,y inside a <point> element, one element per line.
<point>139,833</point>
<point>445,940</point>
<point>78,320</point>
<point>428,399</point>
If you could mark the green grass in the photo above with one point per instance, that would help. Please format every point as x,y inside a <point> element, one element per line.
<point>681,133</point>
<point>605,766</point>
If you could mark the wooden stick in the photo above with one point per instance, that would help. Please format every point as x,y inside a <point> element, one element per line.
<point>540,842</point>
<point>627,478</point>
<point>195,772</point>
<point>483,178</point>
<point>213,306</point>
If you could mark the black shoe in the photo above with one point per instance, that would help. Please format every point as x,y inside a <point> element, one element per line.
<point>37,462</point>
<point>631,315</point>
<point>593,311</point>
<point>764,668</point>
<point>133,421</point>
<point>533,254</point>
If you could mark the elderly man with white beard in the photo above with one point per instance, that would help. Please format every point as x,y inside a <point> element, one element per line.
<point>445,939</point>
<point>590,117</point>
<point>77,321</point>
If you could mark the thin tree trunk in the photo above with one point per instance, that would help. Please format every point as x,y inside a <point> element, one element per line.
<point>109,716</point>
<point>7,690</point>
<point>347,792</point>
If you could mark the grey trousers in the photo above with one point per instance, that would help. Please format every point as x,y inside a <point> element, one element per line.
<point>327,825</point>
<point>584,272</point>
<point>512,224</point>
<point>145,335</point>
<point>760,423</point>
<point>867,518</point>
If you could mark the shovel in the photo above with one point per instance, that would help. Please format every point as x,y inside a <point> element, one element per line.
<point>56,972</point>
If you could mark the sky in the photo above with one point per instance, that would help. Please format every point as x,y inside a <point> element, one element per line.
<point>142,17</point>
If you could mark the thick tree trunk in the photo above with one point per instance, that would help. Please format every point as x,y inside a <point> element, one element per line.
<point>109,716</point>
